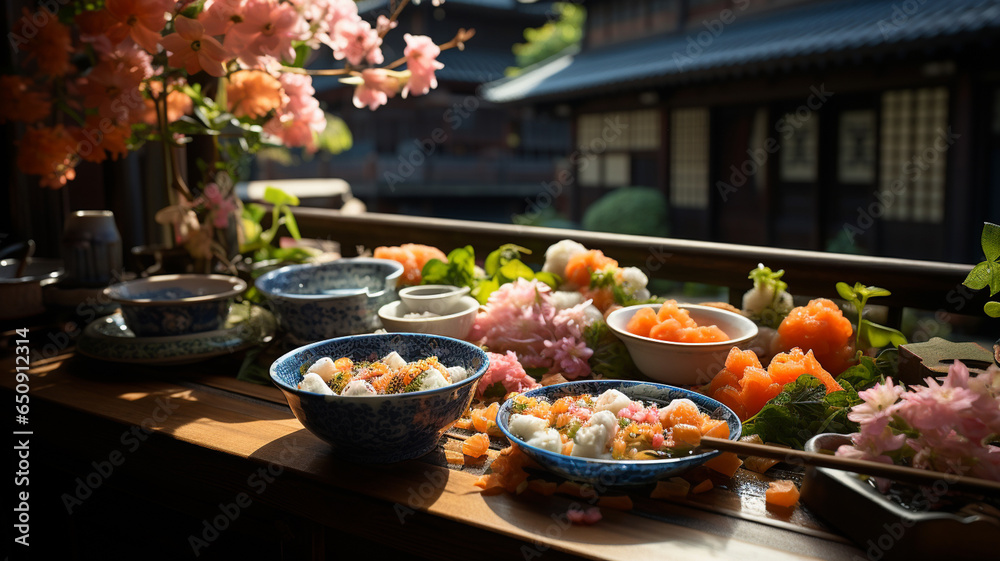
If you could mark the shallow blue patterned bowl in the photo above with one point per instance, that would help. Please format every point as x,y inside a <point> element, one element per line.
<point>317,301</point>
<point>620,472</point>
<point>386,428</point>
<point>167,305</point>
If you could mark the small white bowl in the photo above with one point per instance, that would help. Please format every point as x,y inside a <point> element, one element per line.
<point>683,363</point>
<point>455,324</point>
<point>435,298</point>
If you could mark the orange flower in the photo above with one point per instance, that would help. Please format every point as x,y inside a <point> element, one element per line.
<point>113,92</point>
<point>48,152</point>
<point>99,138</point>
<point>253,93</point>
<point>178,103</point>
<point>22,104</point>
<point>51,48</point>
<point>193,50</point>
<point>141,19</point>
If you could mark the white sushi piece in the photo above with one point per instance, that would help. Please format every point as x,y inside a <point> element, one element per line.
<point>393,361</point>
<point>547,440</point>
<point>313,382</point>
<point>590,441</point>
<point>432,380</point>
<point>324,367</point>
<point>526,426</point>
<point>457,373</point>
<point>613,401</point>
<point>356,388</point>
<point>563,299</point>
<point>557,256</point>
<point>608,420</point>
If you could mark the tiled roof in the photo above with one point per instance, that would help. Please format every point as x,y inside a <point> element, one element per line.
<point>781,39</point>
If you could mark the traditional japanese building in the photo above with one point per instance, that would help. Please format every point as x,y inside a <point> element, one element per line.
<point>450,153</point>
<point>860,125</point>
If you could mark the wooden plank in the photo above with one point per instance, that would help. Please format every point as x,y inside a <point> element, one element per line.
<point>214,422</point>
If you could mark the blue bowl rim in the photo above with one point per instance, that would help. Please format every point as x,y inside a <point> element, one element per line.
<point>623,335</point>
<point>237,285</point>
<point>270,275</point>
<point>507,404</point>
<point>287,356</point>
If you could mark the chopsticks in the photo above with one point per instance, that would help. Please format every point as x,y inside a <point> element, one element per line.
<point>876,469</point>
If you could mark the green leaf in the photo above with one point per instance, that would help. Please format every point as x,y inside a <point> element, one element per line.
<point>992,309</point>
<point>302,51</point>
<point>862,375</point>
<point>495,389</point>
<point>277,197</point>
<point>991,241</point>
<point>870,291</point>
<point>492,263</point>
<point>293,227</point>
<point>548,278</point>
<point>880,336</point>
<point>980,275</point>
<point>514,269</point>
<point>484,288</point>
<point>846,292</point>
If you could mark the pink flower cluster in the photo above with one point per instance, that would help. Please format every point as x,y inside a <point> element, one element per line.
<point>505,368</point>
<point>636,412</point>
<point>522,317</point>
<point>944,427</point>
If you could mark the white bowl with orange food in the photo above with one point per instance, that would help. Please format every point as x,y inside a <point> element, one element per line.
<point>691,345</point>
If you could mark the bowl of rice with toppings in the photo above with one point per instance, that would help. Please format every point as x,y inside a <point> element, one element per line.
<point>380,398</point>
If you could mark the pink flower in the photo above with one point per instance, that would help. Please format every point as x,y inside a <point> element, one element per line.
<point>220,205</point>
<point>301,118</point>
<point>191,49</point>
<point>384,25</point>
<point>219,16</point>
<point>324,15</point>
<point>377,87</point>
<point>421,60</point>
<point>879,401</point>
<point>268,28</point>
<point>355,40</point>
<point>569,357</point>
<point>505,368</point>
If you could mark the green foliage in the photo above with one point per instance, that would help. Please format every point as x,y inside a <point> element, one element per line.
<point>640,211</point>
<point>873,334</point>
<point>552,38</point>
<point>987,273</point>
<point>502,266</point>
<point>259,243</point>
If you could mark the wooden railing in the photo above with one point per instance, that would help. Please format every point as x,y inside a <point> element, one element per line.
<point>927,285</point>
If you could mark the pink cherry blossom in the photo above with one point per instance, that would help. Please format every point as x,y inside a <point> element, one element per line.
<point>218,16</point>
<point>301,118</point>
<point>878,401</point>
<point>506,369</point>
<point>191,49</point>
<point>355,40</point>
<point>377,87</point>
<point>421,60</point>
<point>569,357</point>
<point>323,16</point>
<point>268,28</point>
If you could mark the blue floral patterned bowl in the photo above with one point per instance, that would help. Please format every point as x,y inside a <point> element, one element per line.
<point>382,428</point>
<point>609,473</point>
<point>168,305</point>
<point>318,301</point>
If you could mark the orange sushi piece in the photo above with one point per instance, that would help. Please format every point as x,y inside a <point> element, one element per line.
<point>670,310</point>
<point>479,421</point>
<point>581,265</point>
<point>665,330</point>
<point>731,398</point>
<point>782,493</point>
<point>757,388</point>
<point>702,334</point>
<point>681,413</point>
<point>820,326</point>
<point>738,361</point>
<point>476,445</point>
<point>413,257</point>
<point>725,377</point>
<point>785,368</point>
<point>641,322</point>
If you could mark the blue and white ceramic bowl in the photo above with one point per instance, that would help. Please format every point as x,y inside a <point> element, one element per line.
<point>382,428</point>
<point>167,305</point>
<point>317,301</point>
<point>610,473</point>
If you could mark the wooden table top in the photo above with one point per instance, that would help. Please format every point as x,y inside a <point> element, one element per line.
<point>219,423</point>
